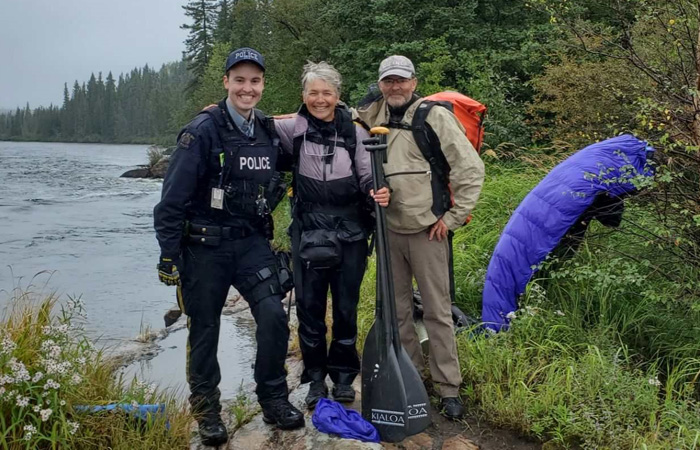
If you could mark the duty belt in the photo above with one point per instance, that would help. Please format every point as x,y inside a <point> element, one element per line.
<point>202,232</point>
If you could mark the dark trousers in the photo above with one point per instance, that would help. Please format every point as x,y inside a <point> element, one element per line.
<point>341,361</point>
<point>208,273</point>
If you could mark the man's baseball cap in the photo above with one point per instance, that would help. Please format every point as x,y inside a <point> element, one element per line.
<point>244,54</point>
<point>396,65</point>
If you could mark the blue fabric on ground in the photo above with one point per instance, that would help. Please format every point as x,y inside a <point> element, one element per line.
<point>141,411</point>
<point>549,210</point>
<point>332,418</point>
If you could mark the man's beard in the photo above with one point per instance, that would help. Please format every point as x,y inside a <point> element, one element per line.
<point>396,101</point>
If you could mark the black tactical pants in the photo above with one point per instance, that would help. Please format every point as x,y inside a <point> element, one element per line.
<point>341,361</point>
<point>208,273</point>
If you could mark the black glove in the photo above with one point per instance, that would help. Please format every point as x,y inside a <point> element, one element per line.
<point>168,271</point>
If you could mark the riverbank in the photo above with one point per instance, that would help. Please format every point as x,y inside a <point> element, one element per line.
<point>244,421</point>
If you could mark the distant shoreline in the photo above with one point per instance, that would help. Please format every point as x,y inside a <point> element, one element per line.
<point>144,141</point>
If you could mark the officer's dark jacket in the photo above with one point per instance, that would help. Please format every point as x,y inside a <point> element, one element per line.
<point>196,167</point>
<point>337,184</point>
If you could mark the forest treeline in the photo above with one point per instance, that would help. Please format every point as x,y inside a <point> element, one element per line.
<point>136,107</point>
<point>548,70</point>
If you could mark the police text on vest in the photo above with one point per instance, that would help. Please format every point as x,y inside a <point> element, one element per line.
<point>255,162</point>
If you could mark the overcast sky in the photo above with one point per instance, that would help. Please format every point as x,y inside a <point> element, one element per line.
<point>45,43</point>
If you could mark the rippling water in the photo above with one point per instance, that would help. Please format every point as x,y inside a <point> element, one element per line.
<point>70,225</point>
<point>64,210</point>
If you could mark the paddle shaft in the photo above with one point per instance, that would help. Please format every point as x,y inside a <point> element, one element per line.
<point>385,281</point>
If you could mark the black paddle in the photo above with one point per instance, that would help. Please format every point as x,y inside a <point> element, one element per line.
<point>394,399</point>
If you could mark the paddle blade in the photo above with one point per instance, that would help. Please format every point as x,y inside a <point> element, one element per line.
<point>383,392</point>
<point>370,357</point>
<point>417,399</point>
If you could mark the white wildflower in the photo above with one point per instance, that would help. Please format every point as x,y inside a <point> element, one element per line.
<point>655,381</point>
<point>37,377</point>
<point>6,345</point>
<point>47,344</point>
<point>22,401</point>
<point>81,361</point>
<point>76,379</point>
<point>45,414</point>
<point>2,391</point>
<point>51,366</point>
<point>134,404</point>
<point>29,431</point>
<point>19,371</point>
<point>150,390</point>
<point>51,384</point>
<point>36,408</point>
<point>6,379</point>
<point>73,426</point>
<point>55,351</point>
<point>559,313</point>
<point>47,329</point>
<point>62,403</point>
<point>510,315</point>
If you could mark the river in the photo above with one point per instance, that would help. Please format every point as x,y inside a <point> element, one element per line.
<point>72,226</point>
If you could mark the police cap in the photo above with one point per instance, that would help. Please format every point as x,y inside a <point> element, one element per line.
<point>244,54</point>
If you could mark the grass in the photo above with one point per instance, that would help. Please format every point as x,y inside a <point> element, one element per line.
<point>155,154</point>
<point>605,351</point>
<point>243,408</point>
<point>48,369</point>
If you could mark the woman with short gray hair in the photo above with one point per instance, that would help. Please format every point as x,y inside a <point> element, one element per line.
<point>330,226</point>
<point>321,71</point>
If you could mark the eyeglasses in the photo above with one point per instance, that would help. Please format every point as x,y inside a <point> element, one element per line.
<point>393,81</point>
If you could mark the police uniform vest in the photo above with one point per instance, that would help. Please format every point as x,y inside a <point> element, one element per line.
<point>239,165</point>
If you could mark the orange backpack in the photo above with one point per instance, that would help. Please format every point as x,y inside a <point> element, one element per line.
<point>468,111</point>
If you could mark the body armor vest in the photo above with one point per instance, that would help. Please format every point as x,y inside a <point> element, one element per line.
<point>241,166</point>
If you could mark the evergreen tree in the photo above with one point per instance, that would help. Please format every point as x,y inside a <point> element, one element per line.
<point>108,131</point>
<point>224,22</point>
<point>200,40</point>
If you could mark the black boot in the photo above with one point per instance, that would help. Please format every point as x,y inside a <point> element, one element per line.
<point>344,393</point>
<point>451,408</point>
<point>317,391</point>
<point>281,413</point>
<point>212,430</point>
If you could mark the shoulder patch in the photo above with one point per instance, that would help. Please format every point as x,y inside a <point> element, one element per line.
<point>185,140</point>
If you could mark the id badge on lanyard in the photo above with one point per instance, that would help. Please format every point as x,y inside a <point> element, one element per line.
<point>217,194</point>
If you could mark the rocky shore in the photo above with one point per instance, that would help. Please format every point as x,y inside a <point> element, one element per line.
<point>254,434</point>
<point>159,158</point>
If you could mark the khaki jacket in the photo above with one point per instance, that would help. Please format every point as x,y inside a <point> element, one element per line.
<point>408,172</point>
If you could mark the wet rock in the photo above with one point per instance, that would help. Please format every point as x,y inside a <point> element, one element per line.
<point>172,315</point>
<point>141,172</point>
<point>459,443</point>
<point>420,441</point>
<point>160,168</point>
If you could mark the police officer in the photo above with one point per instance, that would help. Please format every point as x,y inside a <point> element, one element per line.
<point>211,234</point>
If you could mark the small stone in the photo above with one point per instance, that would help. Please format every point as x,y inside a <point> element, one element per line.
<point>420,441</point>
<point>459,443</point>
